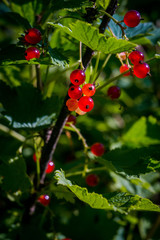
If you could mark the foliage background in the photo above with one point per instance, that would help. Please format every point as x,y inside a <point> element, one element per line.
<point>130,126</point>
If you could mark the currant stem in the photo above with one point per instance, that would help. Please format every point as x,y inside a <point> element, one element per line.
<point>103,66</point>
<point>87,171</point>
<point>39,80</point>
<point>97,63</point>
<point>80,136</point>
<point>80,55</point>
<point>111,80</point>
<point>12,133</point>
<point>118,23</point>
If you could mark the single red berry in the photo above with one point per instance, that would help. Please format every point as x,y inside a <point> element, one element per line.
<point>114,92</point>
<point>92,180</point>
<point>132,18</point>
<point>124,68</point>
<point>32,52</point>
<point>86,104</point>
<point>33,36</point>
<point>77,77</point>
<point>88,89</point>
<point>50,167</point>
<point>44,200</point>
<point>70,119</point>
<point>80,112</point>
<point>98,149</point>
<point>122,55</point>
<point>75,92</point>
<point>136,57</point>
<point>72,104</point>
<point>141,70</point>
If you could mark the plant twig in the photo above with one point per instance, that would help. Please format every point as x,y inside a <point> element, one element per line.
<point>39,80</point>
<point>111,80</point>
<point>80,136</point>
<point>12,133</point>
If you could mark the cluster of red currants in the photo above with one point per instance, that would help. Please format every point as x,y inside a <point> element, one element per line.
<point>32,37</point>
<point>80,99</point>
<point>140,68</point>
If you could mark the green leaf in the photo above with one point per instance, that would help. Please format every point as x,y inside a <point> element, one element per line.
<point>25,9</point>
<point>57,58</point>
<point>13,55</point>
<point>14,176</point>
<point>132,161</point>
<point>25,108</point>
<point>11,143</point>
<point>91,37</point>
<point>62,192</point>
<point>103,3</point>
<point>143,132</point>
<point>121,202</point>
<point>14,18</point>
<point>67,4</point>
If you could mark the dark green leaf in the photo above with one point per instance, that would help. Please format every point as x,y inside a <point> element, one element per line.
<point>132,161</point>
<point>25,107</point>
<point>14,18</point>
<point>14,175</point>
<point>57,58</point>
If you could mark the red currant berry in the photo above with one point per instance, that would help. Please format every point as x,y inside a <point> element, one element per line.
<point>50,167</point>
<point>32,52</point>
<point>72,104</point>
<point>141,70</point>
<point>80,112</point>
<point>44,200</point>
<point>114,92</point>
<point>132,18</point>
<point>92,180</point>
<point>136,57</point>
<point>88,89</point>
<point>86,104</point>
<point>71,119</point>
<point>122,55</point>
<point>33,36</point>
<point>75,92</point>
<point>77,77</point>
<point>98,149</point>
<point>124,68</point>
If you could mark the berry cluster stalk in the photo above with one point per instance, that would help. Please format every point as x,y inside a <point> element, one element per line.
<point>50,146</point>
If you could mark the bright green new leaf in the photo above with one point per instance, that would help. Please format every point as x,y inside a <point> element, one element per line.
<point>25,108</point>
<point>91,37</point>
<point>121,202</point>
<point>143,132</point>
<point>103,3</point>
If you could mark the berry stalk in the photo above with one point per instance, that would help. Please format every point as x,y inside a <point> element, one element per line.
<point>50,146</point>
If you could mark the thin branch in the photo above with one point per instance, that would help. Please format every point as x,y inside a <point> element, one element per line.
<point>111,80</point>
<point>38,74</point>
<point>80,136</point>
<point>12,133</point>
